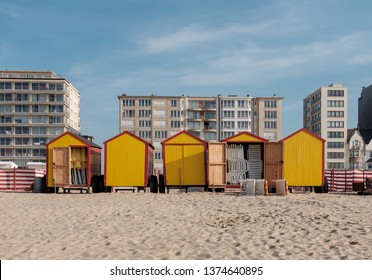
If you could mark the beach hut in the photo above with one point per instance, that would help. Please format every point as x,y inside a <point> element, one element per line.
<point>245,156</point>
<point>303,159</point>
<point>184,161</point>
<point>72,160</point>
<point>128,161</point>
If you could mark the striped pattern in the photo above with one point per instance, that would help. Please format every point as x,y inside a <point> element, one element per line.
<point>18,179</point>
<point>342,180</point>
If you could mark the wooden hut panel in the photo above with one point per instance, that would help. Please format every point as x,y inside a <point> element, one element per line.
<point>217,164</point>
<point>273,161</point>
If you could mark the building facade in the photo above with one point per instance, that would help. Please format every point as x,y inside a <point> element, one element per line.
<point>155,118</point>
<point>325,114</point>
<point>364,108</point>
<point>35,107</point>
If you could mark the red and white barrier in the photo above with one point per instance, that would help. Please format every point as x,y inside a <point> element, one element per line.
<point>342,180</point>
<point>18,179</point>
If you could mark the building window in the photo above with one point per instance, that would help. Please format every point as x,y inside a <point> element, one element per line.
<point>144,102</point>
<point>21,97</point>
<point>161,134</point>
<point>354,153</point>
<point>243,103</point>
<point>193,115</point>
<point>39,130</point>
<point>335,155</point>
<point>335,103</point>
<point>128,113</point>
<point>144,134</point>
<point>270,114</point>
<point>39,86</point>
<point>335,93</point>
<point>39,97</point>
<point>227,134</point>
<point>55,108</point>
<point>243,125</point>
<point>175,124</point>
<point>229,114</point>
<point>335,124</point>
<point>158,156</point>
<point>21,119</point>
<point>335,165</point>
<point>193,125</point>
<point>335,114</point>
<point>39,119</point>
<point>210,136</point>
<point>144,123</point>
<point>21,141</point>
<point>56,120</point>
<point>5,85</point>
<point>228,103</point>
<point>243,114</point>
<point>144,113</point>
<point>21,86</point>
<point>5,141</point>
<point>175,103</point>
<point>335,134</point>
<point>5,130</point>
<point>270,103</point>
<point>6,119</point>
<point>335,145</point>
<point>39,152</point>
<point>228,124</point>
<point>5,97</point>
<point>270,124</point>
<point>175,113</point>
<point>55,87</point>
<point>22,130</point>
<point>128,102</point>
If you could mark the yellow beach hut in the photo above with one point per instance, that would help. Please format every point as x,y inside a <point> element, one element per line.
<point>72,160</point>
<point>128,161</point>
<point>184,161</point>
<point>303,156</point>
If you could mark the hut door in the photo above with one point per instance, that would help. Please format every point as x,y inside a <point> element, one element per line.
<point>61,166</point>
<point>273,161</point>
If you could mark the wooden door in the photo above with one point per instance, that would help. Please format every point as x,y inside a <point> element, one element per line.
<point>61,166</point>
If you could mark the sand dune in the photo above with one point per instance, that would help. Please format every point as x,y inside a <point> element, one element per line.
<point>185,226</point>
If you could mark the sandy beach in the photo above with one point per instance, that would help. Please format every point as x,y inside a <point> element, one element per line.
<point>175,226</point>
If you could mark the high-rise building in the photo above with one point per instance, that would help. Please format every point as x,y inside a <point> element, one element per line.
<point>35,107</point>
<point>364,108</point>
<point>155,118</point>
<point>325,114</point>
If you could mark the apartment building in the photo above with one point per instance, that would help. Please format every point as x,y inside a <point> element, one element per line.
<point>35,107</point>
<point>325,114</point>
<point>155,118</point>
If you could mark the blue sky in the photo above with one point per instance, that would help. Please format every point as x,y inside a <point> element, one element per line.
<point>173,47</point>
